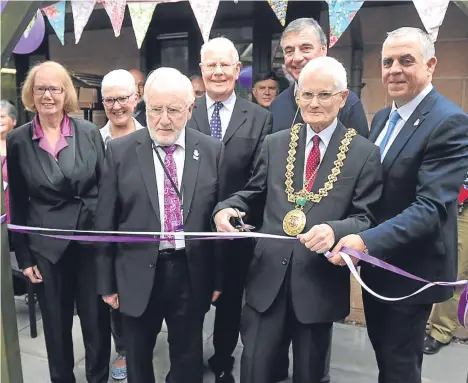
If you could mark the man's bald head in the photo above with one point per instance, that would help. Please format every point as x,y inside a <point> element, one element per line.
<point>139,81</point>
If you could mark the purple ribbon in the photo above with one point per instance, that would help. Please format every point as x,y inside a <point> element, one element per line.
<point>462,305</point>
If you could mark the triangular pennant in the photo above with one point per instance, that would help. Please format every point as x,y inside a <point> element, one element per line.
<point>341,13</point>
<point>432,13</point>
<point>205,12</point>
<point>30,25</point>
<point>81,9</point>
<point>56,15</point>
<point>141,14</point>
<point>279,7</point>
<point>116,11</point>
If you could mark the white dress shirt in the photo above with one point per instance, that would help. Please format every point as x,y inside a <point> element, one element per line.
<point>325,137</point>
<point>225,112</point>
<point>106,131</point>
<point>405,112</point>
<point>179,158</point>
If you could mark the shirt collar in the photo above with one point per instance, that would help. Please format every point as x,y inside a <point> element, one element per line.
<point>228,103</point>
<point>65,128</point>
<point>106,131</point>
<point>325,135</point>
<point>405,111</point>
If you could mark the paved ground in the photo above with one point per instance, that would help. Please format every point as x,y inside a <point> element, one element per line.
<point>352,358</point>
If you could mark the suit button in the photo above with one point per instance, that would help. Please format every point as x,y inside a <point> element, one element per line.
<point>152,264</point>
<point>285,261</point>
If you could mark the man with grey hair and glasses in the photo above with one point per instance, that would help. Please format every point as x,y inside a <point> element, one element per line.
<point>423,140</point>
<point>161,179</point>
<point>242,126</point>
<point>302,41</point>
<point>317,182</point>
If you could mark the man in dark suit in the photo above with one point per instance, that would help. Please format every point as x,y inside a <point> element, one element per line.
<point>423,139</point>
<point>304,40</point>
<point>164,178</point>
<point>242,126</point>
<point>291,288</point>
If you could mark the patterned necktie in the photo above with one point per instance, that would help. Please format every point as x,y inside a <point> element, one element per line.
<point>313,162</point>
<point>392,121</point>
<point>215,122</point>
<point>172,212</point>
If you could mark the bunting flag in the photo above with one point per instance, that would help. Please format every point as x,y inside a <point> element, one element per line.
<point>141,14</point>
<point>205,12</point>
<point>341,13</point>
<point>116,11</point>
<point>56,15</point>
<point>30,25</point>
<point>432,14</point>
<point>81,9</point>
<point>279,7</point>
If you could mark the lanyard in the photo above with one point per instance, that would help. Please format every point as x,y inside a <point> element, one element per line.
<point>179,195</point>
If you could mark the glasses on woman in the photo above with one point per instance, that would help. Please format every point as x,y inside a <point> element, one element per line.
<point>321,96</point>
<point>52,89</point>
<point>110,101</point>
<point>171,111</point>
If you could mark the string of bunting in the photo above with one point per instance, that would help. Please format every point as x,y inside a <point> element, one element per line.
<point>346,253</point>
<point>341,14</point>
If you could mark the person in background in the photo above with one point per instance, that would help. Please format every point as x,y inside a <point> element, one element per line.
<point>443,320</point>
<point>265,88</point>
<point>119,97</point>
<point>140,108</point>
<point>198,85</point>
<point>8,117</point>
<point>302,41</point>
<point>54,167</point>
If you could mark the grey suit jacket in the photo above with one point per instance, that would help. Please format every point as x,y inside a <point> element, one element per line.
<point>128,201</point>
<point>320,290</point>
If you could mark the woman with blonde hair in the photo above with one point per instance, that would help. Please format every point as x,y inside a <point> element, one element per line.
<point>54,166</point>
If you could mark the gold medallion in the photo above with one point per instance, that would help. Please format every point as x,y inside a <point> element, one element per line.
<point>294,222</point>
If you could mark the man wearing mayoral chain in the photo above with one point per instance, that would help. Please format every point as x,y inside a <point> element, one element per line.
<point>318,181</point>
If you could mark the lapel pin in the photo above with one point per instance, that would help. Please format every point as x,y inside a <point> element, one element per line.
<point>416,123</point>
<point>196,155</point>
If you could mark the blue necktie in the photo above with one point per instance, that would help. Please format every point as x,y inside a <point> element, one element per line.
<point>215,122</point>
<point>392,121</point>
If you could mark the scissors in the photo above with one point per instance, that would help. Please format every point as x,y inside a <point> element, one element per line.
<point>241,226</point>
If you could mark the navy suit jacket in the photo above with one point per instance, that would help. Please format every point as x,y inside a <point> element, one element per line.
<point>423,171</point>
<point>284,109</point>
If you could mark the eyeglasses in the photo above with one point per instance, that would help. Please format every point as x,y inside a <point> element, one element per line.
<point>171,112</point>
<point>42,89</point>
<point>211,67</point>
<point>109,101</point>
<point>321,96</point>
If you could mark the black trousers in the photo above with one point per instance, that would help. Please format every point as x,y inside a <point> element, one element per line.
<point>171,299</point>
<point>396,332</point>
<point>263,333</point>
<point>229,305</point>
<point>117,332</point>
<point>73,279</point>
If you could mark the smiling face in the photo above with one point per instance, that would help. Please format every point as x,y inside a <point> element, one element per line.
<point>299,47</point>
<point>51,102</point>
<point>220,72</point>
<point>120,112</point>
<point>404,71</point>
<point>167,113</point>
<point>6,123</point>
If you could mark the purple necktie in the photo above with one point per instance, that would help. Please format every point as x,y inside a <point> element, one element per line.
<point>172,212</point>
<point>215,122</point>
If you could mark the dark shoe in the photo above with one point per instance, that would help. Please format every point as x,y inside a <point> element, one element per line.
<point>279,377</point>
<point>224,377</point>
<point>432,346</point>
<point>168,377</point>
<point>222,369</point>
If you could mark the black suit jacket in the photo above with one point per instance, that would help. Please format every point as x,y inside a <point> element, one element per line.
<point>128,201</point>
<point>423,171</point>
<point>284,108</point>
<point>51,194</point>
<point>248,127</point>
<point>320,290</point>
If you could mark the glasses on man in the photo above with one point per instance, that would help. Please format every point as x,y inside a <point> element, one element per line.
<point>171,111</point>
<point>52,89</point>
<point>110,101</point>
<point>321,96</point>
<point>211,67</point>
